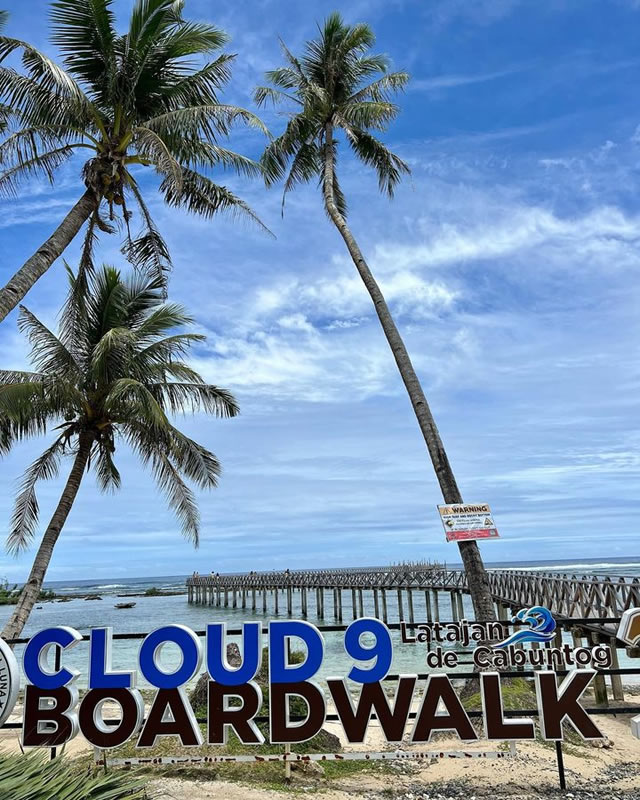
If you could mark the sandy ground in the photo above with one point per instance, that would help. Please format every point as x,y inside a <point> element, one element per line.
<point>608,772</point>
<point>611,772</point>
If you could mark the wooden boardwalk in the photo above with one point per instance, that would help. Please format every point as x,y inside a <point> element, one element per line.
<point>568,596</point>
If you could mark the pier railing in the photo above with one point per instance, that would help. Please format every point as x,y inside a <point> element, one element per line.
<point>565,595</point>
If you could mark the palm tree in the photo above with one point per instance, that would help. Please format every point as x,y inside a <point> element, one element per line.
<point>141,99</point>
<point>339,86</point>
<point>113,373</point>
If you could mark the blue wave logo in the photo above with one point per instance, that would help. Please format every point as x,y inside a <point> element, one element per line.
<point>541,627</point>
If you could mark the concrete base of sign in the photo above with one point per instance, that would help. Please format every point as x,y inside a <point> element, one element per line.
<point>398,755</point>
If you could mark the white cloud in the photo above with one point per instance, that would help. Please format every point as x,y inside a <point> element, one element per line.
<point>453,81</point>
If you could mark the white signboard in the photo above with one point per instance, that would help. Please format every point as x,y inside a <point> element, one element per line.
<point>464,521</point>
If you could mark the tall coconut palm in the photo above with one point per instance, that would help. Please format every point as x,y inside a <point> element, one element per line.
<point>146,98</point>
<point>114,374</point>
<point>340,92</point>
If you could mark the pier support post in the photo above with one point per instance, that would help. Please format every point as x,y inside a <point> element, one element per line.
<point>289,601</point>
<point>400,606</point>
<point>383,594</point>
<point>436,606</point>
<point>616,680</point>
<point>427,606</point>
<point>376,604</point>
<point>599,683</point>
<point>253,599</point>
<point>275,592</point>
<point>360,603</point>
<point>557,639</point>
<point>264,600</point>
<point>454,605</point>
<point>410,599</point>
<point>353,603</point>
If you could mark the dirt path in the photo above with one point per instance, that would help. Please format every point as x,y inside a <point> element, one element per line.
<point>592,772</point>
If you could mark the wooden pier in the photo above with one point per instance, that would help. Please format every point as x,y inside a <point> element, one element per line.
<point>428,593</point>
<point>417,590</point>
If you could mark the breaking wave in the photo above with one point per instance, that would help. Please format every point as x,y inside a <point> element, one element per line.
<point>542,627</point>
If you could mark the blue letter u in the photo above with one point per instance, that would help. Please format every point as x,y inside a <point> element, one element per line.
<point>251,649</point>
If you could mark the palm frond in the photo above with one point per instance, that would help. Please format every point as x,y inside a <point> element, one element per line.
<point>31,776</point>
<point>196,462</point>
<point>26,510</point>
<point>199,88</point>
<point>373,152</point>
<point>37,106</point>
<point>381,90</point>
<point>154,448</point>
<point>369,113</point>
<point>195,153</point>
<point>26,144</point>
<point>83,30</point>
<point>107,474</point>
<point>48,353</point>
<point>163,319</point>
<point>179,496</point>
<point>300,131</point>
<point>148,251</point>
<point>44,165</point>
<point>327,87</point>
<point>151,146</point>
<point>209,121</point>
<point>264,94</point>
<point>177,397</point>
<point>305,165</point>
<point>130,398</point>
<point>202,196</point>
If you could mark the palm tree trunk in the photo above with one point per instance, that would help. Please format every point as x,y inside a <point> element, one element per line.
<point>33,586</point>
<point>477,577</point>
<point>35,267</point>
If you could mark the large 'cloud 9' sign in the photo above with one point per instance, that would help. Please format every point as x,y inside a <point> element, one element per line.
<point>53,715</point>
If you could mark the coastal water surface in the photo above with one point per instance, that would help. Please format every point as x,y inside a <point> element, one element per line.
<point>152,612</point>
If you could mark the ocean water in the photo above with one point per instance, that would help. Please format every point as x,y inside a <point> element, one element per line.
<point>152,612</point>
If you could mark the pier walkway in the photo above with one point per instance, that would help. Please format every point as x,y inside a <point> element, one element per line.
<point>568,596</point>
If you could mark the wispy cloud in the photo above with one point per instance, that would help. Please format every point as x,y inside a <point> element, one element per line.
<point>453,81</point>
<point>510,262</point>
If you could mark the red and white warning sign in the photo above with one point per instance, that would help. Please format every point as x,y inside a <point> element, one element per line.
<point>464,521</point>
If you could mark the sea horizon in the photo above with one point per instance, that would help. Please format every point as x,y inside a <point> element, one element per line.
<point>617,566</point>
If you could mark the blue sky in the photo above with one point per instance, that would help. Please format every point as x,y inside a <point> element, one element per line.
<point>510,259</point>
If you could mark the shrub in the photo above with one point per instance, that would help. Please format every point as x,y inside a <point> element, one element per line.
<point>34,777</point>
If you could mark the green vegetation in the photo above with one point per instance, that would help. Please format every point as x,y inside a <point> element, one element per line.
<point>153,592</point>
<point>9,596</point>
<point>517,694</point>
<point>114,372</point>
<point>269,774</point>
<point>339,93</point>
<point>34,777</point>
<point>146,98</point>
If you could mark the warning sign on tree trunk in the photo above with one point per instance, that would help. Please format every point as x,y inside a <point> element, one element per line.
<point>464,521</point>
